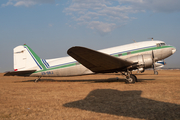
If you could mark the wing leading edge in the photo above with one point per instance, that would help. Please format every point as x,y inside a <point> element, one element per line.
<point>97,61</point>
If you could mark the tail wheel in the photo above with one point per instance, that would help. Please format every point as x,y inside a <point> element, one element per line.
<point>131,80</point>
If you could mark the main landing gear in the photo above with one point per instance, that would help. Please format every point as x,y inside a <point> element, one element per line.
<point>130,78</point>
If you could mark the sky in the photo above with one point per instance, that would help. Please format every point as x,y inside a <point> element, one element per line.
<point>51,27</point>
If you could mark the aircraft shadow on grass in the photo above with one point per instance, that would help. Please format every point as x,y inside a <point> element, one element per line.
<point>126,103</point>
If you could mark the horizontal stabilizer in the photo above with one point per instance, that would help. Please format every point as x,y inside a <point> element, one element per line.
<point>19,73</point>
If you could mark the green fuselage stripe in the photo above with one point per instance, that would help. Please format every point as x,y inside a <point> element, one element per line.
<point>62,66</point>
<point>116,55</point>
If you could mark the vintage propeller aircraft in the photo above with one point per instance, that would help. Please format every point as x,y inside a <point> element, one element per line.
<point>83,61</point>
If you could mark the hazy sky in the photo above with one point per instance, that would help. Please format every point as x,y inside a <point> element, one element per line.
<point>51,27</point>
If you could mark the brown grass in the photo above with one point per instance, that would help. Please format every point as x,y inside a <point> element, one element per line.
<point>91,97</point>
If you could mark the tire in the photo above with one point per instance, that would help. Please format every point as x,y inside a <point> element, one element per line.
<point>131,80</point>
<point>156,72</point>
<point>135,77</point>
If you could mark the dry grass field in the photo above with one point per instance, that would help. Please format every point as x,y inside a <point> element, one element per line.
<point>91,97</point>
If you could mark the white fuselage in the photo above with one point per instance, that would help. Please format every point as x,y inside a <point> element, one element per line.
<point>67,66</point>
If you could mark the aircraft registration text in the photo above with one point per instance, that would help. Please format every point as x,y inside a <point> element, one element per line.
<point>47,73</point>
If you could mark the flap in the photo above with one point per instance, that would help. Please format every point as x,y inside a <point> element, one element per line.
<point>97,61</point>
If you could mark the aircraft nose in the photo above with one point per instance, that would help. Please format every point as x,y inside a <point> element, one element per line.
<point>173,50</point>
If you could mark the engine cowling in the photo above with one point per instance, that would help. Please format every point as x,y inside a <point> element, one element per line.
<point>143,61</point>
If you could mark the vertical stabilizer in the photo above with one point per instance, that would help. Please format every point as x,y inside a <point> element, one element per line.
<point>26,59</point>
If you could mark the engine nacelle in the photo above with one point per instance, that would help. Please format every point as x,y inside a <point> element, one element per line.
<point>143,61</point>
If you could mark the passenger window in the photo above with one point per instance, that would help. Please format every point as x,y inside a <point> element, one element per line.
<point>77,63</point>
<point>119,54</point>
<point>128,53</point>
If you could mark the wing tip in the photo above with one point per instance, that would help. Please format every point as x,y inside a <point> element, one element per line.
<point>70,50</point>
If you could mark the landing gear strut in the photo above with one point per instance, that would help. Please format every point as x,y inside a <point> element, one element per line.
<point>156,72</point>
<point>130,78</point>
<point>36,80</point>
<point>154,67</point>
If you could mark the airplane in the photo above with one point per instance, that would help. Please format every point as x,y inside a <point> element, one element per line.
<point>82,61</point>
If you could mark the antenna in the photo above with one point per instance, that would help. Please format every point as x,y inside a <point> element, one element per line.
<point>134,40</point>
<point>151,38</point>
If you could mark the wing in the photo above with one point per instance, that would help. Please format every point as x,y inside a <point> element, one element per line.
<point>19,73</point>
<point>97,61</point>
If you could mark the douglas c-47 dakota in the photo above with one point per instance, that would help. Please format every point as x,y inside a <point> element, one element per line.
<point>124,59</point>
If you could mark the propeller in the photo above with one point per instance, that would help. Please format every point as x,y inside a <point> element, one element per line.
<point>164,62</point>
<point>154,67</point>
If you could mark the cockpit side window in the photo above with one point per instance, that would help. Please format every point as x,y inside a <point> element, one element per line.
<point>160,44</point>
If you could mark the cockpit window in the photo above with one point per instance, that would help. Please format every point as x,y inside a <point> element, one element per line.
<point>161,44</point>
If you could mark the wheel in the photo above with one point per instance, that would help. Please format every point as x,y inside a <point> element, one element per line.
<point>131,80</point>
<point>156,72</point>
<point>135,77</point>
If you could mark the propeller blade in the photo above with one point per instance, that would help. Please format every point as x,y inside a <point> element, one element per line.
<point>164,62</point>
<point>154,67</point>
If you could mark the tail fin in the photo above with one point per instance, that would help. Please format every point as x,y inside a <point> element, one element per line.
<point>26,59</point>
